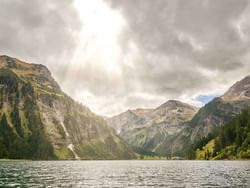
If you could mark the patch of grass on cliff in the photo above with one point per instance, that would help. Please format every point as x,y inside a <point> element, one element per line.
<point>64,153</point>
<point>206,151</point>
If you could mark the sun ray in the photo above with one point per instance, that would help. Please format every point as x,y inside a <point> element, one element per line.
<point>98,42</point>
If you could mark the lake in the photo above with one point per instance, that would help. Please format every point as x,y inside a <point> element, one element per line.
<point>125,174</point>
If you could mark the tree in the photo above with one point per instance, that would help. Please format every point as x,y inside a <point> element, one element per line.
<point>217,147</point>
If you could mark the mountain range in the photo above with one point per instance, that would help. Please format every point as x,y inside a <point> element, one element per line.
<point>39,121</point>
<point>171,128</point>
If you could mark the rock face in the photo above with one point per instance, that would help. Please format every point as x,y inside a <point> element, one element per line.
<point>151,128</point>
<point>42,122</point>
<point>222,109</point>
<point>240,91</point>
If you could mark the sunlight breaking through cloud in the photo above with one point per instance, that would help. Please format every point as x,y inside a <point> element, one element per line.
<point>113,55</point>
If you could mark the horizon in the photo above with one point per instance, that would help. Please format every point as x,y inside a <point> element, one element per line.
<point>118,55</point>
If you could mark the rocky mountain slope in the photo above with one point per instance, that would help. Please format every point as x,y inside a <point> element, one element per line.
<point>150,129</point>
<point>39,121</point>
<point>212,116</point>
<point>230,141</point>
<point>221,110</point>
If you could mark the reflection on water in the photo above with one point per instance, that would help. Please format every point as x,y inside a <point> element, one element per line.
<point>125,174</point>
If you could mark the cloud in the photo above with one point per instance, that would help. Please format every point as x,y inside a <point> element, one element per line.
<point>115,54</point>
<point>185,48</point>
<point>39,31</point>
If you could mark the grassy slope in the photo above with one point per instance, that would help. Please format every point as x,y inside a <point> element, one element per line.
<point>206,151</point>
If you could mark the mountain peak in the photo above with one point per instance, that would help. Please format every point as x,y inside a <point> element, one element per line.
<point>7,62</point>
<point>172,104</point>
<point>37,74</point>
<point>240,90</point>
<point>13,63</point>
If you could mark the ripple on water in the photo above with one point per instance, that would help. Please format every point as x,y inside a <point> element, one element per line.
<point>125,174</point>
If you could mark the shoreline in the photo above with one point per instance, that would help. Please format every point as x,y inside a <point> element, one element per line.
<point>29,160</point>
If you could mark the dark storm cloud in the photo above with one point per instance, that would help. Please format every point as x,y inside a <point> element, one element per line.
<point>38,30</point>
<point>165,26</point>
<point>181,42</point>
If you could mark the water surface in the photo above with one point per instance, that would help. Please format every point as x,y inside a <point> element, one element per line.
<point>125,174</point>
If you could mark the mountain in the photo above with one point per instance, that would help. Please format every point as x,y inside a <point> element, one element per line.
<point>39,121</point>
<point>173,128</point>
<point>150,129</point>
<point>216,115</point>
<point>230,141</point>
<point>233,139</point>
<point>221,110</point>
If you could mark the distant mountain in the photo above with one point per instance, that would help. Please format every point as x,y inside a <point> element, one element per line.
<point>39,121</point>
<point>150,129</point>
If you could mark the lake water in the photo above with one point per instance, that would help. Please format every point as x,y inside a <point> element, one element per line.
<point>125,174</point>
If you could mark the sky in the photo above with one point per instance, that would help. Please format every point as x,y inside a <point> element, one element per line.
<point>114,55</point>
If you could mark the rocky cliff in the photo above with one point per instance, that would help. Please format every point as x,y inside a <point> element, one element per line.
<point>39,121</point>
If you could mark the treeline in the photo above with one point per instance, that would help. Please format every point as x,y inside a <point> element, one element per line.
<point>191,150</point>
<point>230,141</point>
<point>234,138</point>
